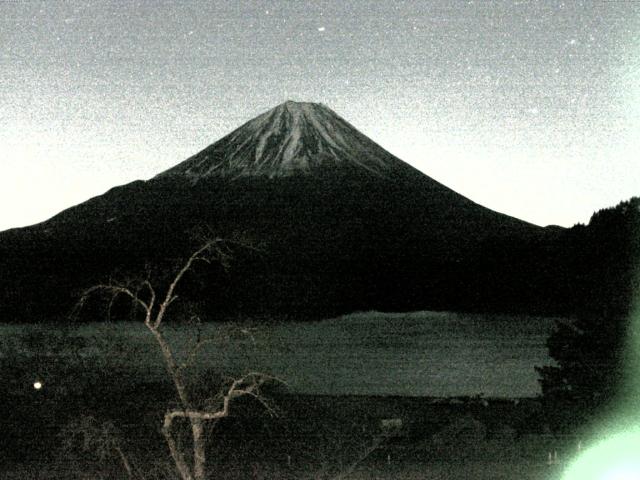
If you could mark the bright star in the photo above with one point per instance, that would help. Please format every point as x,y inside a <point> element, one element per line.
<point>37,385</point>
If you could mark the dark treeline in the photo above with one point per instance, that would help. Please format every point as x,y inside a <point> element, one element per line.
<point>340,247</point>
<point>592,352</point>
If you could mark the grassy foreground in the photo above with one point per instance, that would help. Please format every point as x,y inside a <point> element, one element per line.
<point>312,437</point>
<point>103,390</point>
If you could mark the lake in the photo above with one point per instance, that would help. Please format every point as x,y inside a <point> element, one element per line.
<point>413,354</point>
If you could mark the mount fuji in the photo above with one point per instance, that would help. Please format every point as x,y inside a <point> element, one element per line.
<point>344,225</point>
<point>293,138</point>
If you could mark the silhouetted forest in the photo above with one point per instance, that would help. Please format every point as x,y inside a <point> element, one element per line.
<point>590,351</point>
<point>331,251</point>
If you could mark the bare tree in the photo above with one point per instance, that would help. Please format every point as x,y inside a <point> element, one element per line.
<point>154,305</point>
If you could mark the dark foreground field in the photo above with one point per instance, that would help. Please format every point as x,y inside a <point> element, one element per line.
<point>103,393</point>
<point>314,437</point>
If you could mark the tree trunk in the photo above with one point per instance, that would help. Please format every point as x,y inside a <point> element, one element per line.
<point>176,454</point>
<point>199,454</point>
<point>196,424</point>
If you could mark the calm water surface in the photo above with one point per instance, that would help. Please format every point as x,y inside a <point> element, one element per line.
<point>418,354</point>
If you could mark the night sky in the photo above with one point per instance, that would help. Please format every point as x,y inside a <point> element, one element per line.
<point>529,108</point>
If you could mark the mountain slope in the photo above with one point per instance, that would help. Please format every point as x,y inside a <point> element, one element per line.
<point>344,224</point>
<point>293,138</point>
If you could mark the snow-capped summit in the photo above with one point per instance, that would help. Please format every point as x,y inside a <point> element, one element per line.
<point>292,138</point>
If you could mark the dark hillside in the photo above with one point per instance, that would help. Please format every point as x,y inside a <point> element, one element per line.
<point>342,224</point>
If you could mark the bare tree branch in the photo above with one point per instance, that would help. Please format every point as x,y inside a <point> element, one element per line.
<point>144,296</point>
<point>193,353</point>
<point>115,290</point>
<point>169,297</point>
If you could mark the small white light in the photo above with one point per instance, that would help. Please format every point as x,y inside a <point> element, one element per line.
<point>321,29</point>
<point>37,385</point>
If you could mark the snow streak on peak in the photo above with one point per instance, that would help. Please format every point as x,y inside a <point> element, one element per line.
<point>292,138</point>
